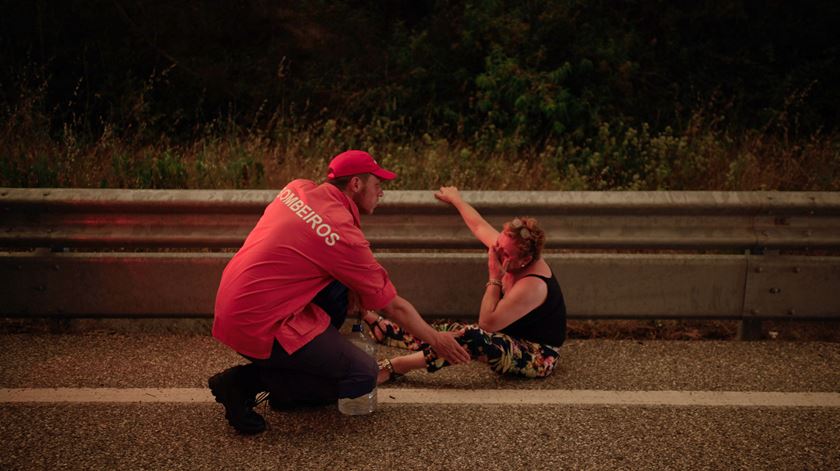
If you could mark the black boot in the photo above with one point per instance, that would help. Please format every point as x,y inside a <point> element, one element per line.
<point>235,389</point>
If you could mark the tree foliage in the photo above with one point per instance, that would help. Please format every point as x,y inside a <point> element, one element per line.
<point>519,72</point>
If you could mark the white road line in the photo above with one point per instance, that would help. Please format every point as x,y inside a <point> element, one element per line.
<point>392,396</point>
<point>620,398</point>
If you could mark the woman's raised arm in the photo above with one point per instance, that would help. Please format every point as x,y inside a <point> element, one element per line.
<point>480,228</point>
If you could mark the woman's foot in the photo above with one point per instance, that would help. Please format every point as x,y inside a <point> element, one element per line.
<point>388,333</point>
<point>397,367</point>
<point>380,327</point>
<point>387,373</point>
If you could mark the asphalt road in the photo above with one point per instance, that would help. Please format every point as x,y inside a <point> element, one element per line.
<point>474,435</point>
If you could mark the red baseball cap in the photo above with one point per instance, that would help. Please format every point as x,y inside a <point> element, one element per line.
<point>355,162</point>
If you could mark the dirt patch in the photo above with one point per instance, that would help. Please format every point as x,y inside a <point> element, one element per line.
<point>789,330</point>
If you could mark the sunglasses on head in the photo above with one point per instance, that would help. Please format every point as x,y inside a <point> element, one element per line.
<point>523,231</point>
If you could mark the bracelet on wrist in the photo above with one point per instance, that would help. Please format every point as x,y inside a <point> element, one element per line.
<point>493,282</point>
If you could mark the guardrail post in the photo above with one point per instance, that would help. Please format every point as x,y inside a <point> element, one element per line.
<point>750,327</point>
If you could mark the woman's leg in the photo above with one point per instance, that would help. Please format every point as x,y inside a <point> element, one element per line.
<point>523,358</point>
<point>415,361</point>
<point>402,365</point>
<point>389,333</point>
<point>503,353</point>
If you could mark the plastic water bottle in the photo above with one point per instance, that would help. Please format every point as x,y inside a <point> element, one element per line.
<point>366,403</point>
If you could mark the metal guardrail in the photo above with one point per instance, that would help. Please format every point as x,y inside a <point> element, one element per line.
<point>748,279</point>
<point>414,219</point>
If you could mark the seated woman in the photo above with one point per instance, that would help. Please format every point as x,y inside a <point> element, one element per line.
<point>522,320</point>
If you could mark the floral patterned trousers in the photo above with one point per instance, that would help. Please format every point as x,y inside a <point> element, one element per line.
<point>504,354</point>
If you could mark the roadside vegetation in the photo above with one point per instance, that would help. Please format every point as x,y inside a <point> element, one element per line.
<point>224,154</point>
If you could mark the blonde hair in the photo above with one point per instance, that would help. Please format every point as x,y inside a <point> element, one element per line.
<point>527,235</point>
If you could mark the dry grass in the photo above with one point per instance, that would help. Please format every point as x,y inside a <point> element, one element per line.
<point>254,160</point>
<point>705,155</point>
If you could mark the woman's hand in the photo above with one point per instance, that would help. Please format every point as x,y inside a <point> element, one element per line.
<point>448,194</point>
<point>496,268</point>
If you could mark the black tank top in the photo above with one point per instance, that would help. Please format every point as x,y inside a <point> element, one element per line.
<point>547,323</point>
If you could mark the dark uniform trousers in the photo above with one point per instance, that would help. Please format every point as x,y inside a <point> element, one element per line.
<point>325,369</point>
